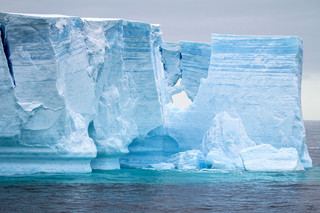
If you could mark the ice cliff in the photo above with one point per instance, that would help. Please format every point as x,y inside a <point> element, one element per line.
<point>78,94</point>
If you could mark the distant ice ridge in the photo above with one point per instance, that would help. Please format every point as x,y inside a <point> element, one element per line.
<point>78,94</point>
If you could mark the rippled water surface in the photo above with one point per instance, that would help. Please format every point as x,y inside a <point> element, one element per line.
<point>169,191</point>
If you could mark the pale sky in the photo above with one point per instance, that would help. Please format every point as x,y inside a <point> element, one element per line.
<point>195,20</point>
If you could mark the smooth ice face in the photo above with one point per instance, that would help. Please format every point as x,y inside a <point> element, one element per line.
<point>264,157</point>
<point>264,87</point>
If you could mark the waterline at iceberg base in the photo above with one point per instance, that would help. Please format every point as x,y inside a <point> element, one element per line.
<point>78,94</point>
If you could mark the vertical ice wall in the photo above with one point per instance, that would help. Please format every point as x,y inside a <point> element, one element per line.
<point>113,128</point>
<point>52,109</point>
<point>122,54</point>
<point>170,56</point>
<point>194,64</point>
<point>256,79</point>
<point>259,77</point>
<point>154,145</point>
<point>9,109</point>
<point>76,78</point>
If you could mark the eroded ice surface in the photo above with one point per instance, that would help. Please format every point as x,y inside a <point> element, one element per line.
<point>121,54</point>
<point>81,93</point>
<point>223,141</point>
<point>187,61</point>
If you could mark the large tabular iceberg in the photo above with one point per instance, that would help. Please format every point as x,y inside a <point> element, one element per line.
<point>78,94</point>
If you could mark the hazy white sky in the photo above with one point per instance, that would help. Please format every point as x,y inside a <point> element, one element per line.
<point>196,19</point>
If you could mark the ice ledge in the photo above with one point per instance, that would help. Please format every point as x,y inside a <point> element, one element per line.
<point>48,165</point>
<point>28,160</point>
<point>269,159</point>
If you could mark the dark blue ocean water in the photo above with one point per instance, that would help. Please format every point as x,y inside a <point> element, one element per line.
<point>169,191</point>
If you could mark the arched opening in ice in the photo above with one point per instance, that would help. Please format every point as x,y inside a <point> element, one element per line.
<point>181,100</point>
<point>154,148</point>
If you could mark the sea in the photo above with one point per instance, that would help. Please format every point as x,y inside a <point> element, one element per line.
<point>133,190</point>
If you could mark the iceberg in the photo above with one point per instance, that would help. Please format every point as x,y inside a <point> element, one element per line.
<point>80,94</point>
